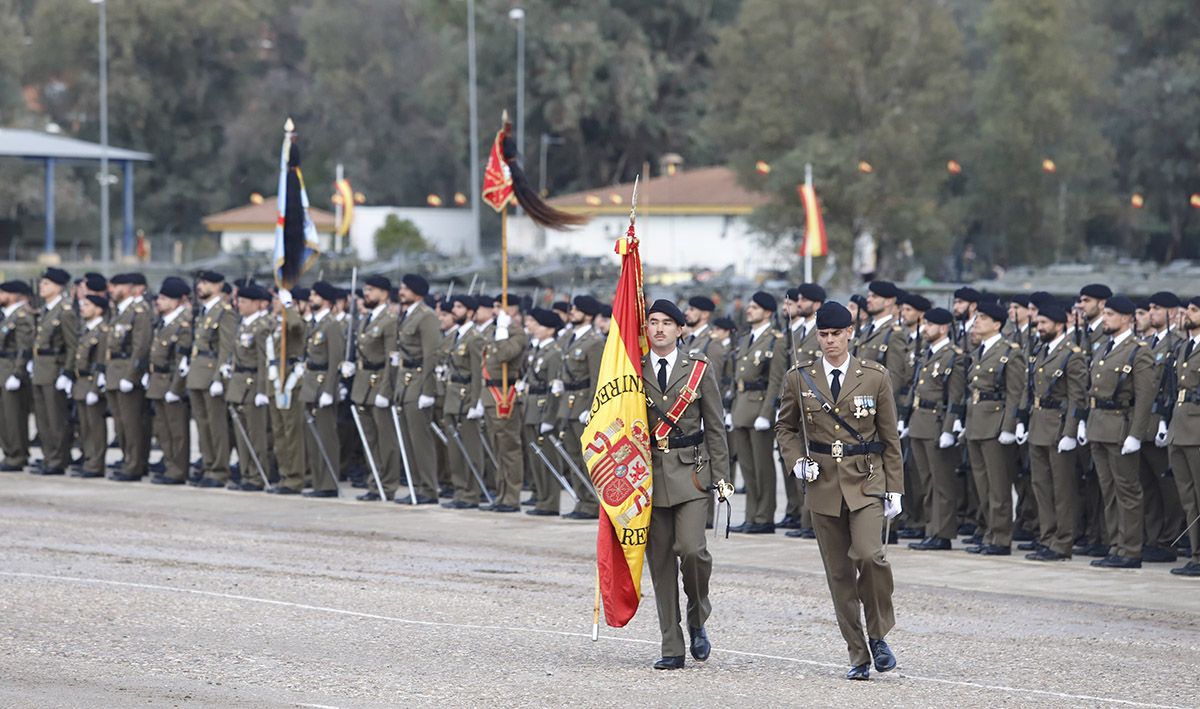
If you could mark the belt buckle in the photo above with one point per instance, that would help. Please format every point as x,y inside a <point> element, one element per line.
<point>663,444</point>
<point>1092,402</point>
<point>1037,402</point>
<point>975,397</point>
<point>1182,397</point>
<point>408,378</point>
<point>741,386</point>
<point>837,451</point>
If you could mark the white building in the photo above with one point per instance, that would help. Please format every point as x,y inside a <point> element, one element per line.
<point>252,228</point>
<point>447,231</point>
<point>694,219</point>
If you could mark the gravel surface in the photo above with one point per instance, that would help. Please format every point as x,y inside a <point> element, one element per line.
<point>140,595</point>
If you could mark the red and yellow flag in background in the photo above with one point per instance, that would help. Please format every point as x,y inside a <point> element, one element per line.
<point>497,177</point>
<point>616,445</point>
<point>815,243</point>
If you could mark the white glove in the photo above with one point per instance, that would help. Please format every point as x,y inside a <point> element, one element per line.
<point>381,401</point>
<point>261,400</point>
<point>1022,434</point>
<point>125,386</point>
<point>585,417</point>
<point>394,359</point>
<point>439,371</point>
<point>300,369</point>
<point>343,392</point>
<point>892,505</point>
<point>226,370</point>
<point>217,389</point>
<point>101,382</point>
<point>183,367</point>
<point>91,399</point>
<point>29,368</point>
<point>728,422</point>
<point>171,398</point>
<point>762,424</point>
<point>475,412</point>
<point>545,428</point>
<point>1131,445</point>
<point>324,400</point>
<point>503,320</point>
<point>1160,438</point>
<point>348,369</point>
<point>519,386</point>
<point>12,383</point>
<point>424,402</point>
<point>1081,433</point>
<point>1066,444</point>
<point>946,440</point>
<point>902,429</point>
<point>806,470</point>
<point>63,383</point>
<point>957,428</point>
<point>146,380</point>
<point>556,387</point>
<point>1007,439</point>
<point>285,297</point>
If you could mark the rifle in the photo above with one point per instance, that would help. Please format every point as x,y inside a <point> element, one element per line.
<point>352,326</point>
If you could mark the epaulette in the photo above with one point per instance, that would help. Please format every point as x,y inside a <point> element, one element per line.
<point>1014,345</point>
<point>1075,348</point>
<point>897,327</point>
<point>804,364</point>
<point>227,307</point>
<point>103,327</point>
<point>873,365</point>
<point>698,356</point>
<point>957,350</point>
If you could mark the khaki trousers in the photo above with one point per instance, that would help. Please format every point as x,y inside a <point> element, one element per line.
<point>994,466</point>
<point>1121,486</point>
<point>1057,494</point>
<point>676,548</point>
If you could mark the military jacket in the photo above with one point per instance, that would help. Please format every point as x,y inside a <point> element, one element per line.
<point>1185,420</point>
<point>580,368</point>
<point>417,343</point>
<point>866,403</point>
<point>1058,393</point>
<point>283,358</point>
<point>441,373</point>
<point>758,372</point>
<point>938,393</point>
<point>1121,393</point>
<point>324,348</point>
<point>1164,355</point>
<point>249,364</point>
<point>496,353</point>
<point>885,344</point>
<point>684,473</point>
<point>54,342</point>
<point>170,344</point>
<point>542,366</point>
<point>718,354</point>
<point>214,336</point>
<point>129,345</point>
<point>89,361</point>
<point>996,383</point>
<point>463,371</point>
<point>376,342</point>
<point>16,342</point>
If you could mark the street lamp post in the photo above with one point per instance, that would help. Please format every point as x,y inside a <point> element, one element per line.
<point>518,15</point>
<point>473,111</point>
<point>103,177</point>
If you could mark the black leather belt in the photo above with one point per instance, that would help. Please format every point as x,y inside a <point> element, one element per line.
<point>245,370</point>
<point>928,404</point>
<point>205,353</point>
<point>460,378</point>
<point>49,353</point>
<point>1054,404</point>
<point>756,385</point>
<point>539,391</point>
<point>373,366</point>
<point>8,355</point>
<point>1110,404</point>
<point>496,382</point>
<point>165,369</point>
<point>118,355</point>
<point>317,367</point>
<point>411,363</point>
<point>577,386</point>
<point>83,373</point>
<point>875,447</point>
<point>688,440</point>
<point>987,396</point>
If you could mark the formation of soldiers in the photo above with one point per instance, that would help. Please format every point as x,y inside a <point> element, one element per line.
<point>1086,412</point>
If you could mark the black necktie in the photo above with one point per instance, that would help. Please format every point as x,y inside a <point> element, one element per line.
<point>870,329</point>
<point>836,387</point>
<point>1187,352</point>
<point>1156,339</point>
<point>662,374</point>
<point>1109,349</point>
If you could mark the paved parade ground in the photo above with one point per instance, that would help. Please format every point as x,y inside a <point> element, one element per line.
<point>139,595</point>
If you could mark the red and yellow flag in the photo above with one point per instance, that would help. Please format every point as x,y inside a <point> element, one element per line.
<point>814,243</point>
<point>616,445</point>
<point>497,177</point>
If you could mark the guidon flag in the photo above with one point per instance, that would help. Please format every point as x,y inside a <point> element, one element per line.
<point>815,242</point>
<point>296,246</point>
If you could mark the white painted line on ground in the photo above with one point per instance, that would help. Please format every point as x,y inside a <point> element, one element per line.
<point>569,634</point>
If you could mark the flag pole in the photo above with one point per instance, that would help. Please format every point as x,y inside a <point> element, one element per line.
<point>808,181</point>
<point>596,608</point>
<point>503,290</point>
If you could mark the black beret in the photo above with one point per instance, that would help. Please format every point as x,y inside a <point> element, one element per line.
<point>968,294</point>
<point>939,316</point>
<point>1165,299</point>
<point>546,318</point>
<point>210,277</point>
<point>1053,311</point>
<point>18,287</point>
<point>241,283</point>
<point>174,287</point>
<point>1020,299</point>
<point>1121,304</point>
<point>416,283</point>
<point>1099,291</point>
<point>467,301</point>
<point>1141,304</point>
<point>500,299</point>
<point>561,306</point>
<point>300,293</point>
<point>701,302</point>
<point>587,305</point>
<point>121,279</point>
<point>326,290</point>
<point>884,289</point>
<point>765,300</point>
<point>137,278</point>
<point>666,307</point>
<point>96,282</point>
<point>57,275</point>
<point>915,300</point>
<point>254,292</point>
<point>605,310</point>
<point>394,295</point>
<point>430,300</point>
<point>724,323</point>
<point>1194,300</point>
<point>99,301</point>
<point>1038,298</point>
<point>484,301</point>
<point>859,299</point>
<point>792,293</point>
<point>993,310</point>
<point>833,316</point>
<point>525,303</point>
<point>812,291</point>
<point>226,289</point>
<point>380,281</point>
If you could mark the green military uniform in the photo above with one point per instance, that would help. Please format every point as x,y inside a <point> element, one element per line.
<point>415,393</point>
<point>1059,389</point>
<point>128,359</point>
<point>718,355</point>
<point>1163,511</point>
<point>506,347</point>
<point>445,479</point>
<point>215,332</point>
<point>1121,394</point>
<point>477,339</point>
<point>53,357</point>
<point>582,353</point>
<point>1183,440</point>
<point>684,467</point>
<point>246,391</point>
<point>938,390</point>
<point>172,340</point>
<point>283,390</point>
<point>17,331</point>
<point>884,342</point>
<point>1090,524</point>
<point>373,385</point>
<point>847,514</point>
<point>540,406</point>
<point>759,366</point>
<point>463,387</point>
<point>995,390</point>
<point>89,375</point>
<point>802,347</point>
<point>324,348</point>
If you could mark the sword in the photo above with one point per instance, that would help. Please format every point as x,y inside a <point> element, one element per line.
<point>887,522</point>
<point>412,493</point>
<point>462,448</point>
<point>312,427</point>
<point>362,437</point>
<point>237,421</point>
<point>566,458</point>
<point>537,450</point>
<point>487,447</point>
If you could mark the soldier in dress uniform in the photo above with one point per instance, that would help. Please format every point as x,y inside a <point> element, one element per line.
<point>505,346</point>
<point>464,385</point>
<point>800,304</point>
<point>698,316</point>
<point>911,309</point>
<point>53,355</point>
<point>477,339</point>
<point>372,388</point>
<point>416,386</point>
<point>1164,513</point>
<point>285,347</point>
<point>1183,434</point>
<point>128,358</point>
<point>1121,396</point>
<point>214,335</point>
<point>1088,335</point>
<point>995,391</point>
<point>245,384</point>
<point>171,342</point>
<point>1057,404</point>
<point>965,306</point>
<point>837,428</point>
<point>688,453</point>
<point>582,351</point>
<point>17,332</point>
<point>540,411</point>
<point>325,346</point>
<point>447,326</point>
<point>88,388</point>
<point>883,339</point>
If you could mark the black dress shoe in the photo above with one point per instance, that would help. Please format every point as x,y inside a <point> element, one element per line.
<point>1046,554</point>
<point>505,508</point>
<point>974,549</point>
<point>1028,546</point>
<point>931,544</point>
<point>123,478</point>
<point>701,647</point>
<point>63,471</point>
<point>788,522</point>
<point>859,672</point>
<point>882,654</point>
<point>368,497</point>
<point>209,482</point>
<point>250,487</point>
<point>281,490</point>
<point>995,550</point>
<point>974,540</point>
<point>360,484</point>
<point>1116,561</point>
<point>529,503</point>
<point>911,533</point>
<point>88,474</point>
<point>231,485</point>
<point>421,500</point>
<point>6,468</point>
<point>739,528</point>
<point>158,467</point>
<point>764,528</point>
<point>1158,555</point>
<point>459,505</point>
<point>1189,569</point>
<point>1023,535</point>
<point>966,529</point>
<point>321,493</point>
<point>579,515</point>
<point>669,663</point>
<point>535,512</point>
<point>164,480</point>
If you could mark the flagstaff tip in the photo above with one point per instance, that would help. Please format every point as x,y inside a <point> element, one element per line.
<point>504,116</point>
<point>633,200</point>
<point>289,126</point>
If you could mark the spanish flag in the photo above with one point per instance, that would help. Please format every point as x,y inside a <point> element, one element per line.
<point>616,445</point>
<point>296,246</point>
<point>814,243</point>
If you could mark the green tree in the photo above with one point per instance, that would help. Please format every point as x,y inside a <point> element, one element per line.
<point>398,236</point>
